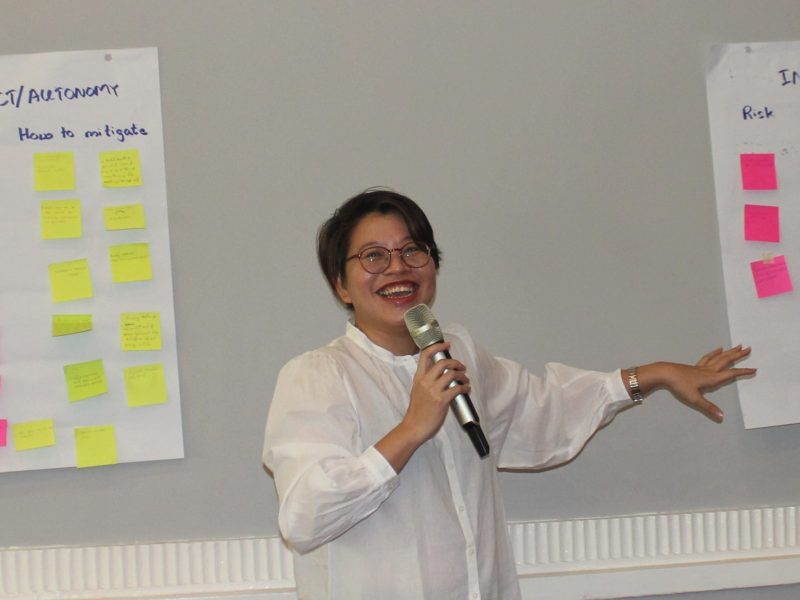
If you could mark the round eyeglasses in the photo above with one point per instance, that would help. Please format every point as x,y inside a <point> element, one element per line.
<point>376,259</point>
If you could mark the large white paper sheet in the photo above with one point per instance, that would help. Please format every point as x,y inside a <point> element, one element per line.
<point>85,104</point>
<point>754,109</point>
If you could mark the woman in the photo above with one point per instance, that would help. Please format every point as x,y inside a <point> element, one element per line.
<point>382,496</point>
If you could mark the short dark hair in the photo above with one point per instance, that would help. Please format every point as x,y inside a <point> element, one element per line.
<point>333,237</point>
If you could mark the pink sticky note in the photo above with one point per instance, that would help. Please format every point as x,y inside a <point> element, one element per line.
<point>761,223</point>
<point>758,172</point>
<point>3,432</point>
<point>771,277</point>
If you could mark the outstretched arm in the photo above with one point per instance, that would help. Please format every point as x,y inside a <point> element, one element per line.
<point>689,383</point>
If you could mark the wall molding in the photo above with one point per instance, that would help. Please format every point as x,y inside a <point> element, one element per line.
<point>608,557</point>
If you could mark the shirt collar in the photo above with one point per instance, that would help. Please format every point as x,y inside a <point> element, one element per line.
<point>357,336</point>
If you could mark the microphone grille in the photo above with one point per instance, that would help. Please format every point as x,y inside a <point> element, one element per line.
<point>423,326</point>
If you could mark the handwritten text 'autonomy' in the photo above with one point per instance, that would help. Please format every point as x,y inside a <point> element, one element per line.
<point>21,95</point>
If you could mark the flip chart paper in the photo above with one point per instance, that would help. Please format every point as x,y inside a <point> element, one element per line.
<point>758,172</point>
<point>128,216</point>
<point>33,434</point>
<point>145,385</point>
<point>60,219</point>
<point>761,223</point>
<point>120,168</point>
<point>3,432</point>
<point>752,110</point>
<point>140,331</point>
<point>85,380</point>
<point>70,280</point>
<point>95,446</point>
<point>70,324</point>
<point>53,171</point>
<point>130,262</point>
<point>771,277</point>
<point>55,312</point>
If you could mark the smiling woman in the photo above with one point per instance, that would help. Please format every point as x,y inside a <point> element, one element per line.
<point>381,495</point>
<point>379,300</point>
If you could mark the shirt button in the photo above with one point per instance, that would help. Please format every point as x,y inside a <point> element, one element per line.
<point>461,508</point>
<point>474,594</point>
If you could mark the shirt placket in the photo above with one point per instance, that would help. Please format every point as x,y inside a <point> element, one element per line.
<point>470,551</point>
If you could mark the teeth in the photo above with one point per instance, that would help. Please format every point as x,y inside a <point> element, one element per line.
<point>396,290</point>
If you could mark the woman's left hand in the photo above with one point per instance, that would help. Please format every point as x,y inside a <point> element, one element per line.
<point>689,383</point>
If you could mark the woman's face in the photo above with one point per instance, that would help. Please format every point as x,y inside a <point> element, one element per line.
<point>380,300</point>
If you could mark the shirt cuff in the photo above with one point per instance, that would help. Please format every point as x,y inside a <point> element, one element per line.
<point>617,391</point>
<point>379,467</point>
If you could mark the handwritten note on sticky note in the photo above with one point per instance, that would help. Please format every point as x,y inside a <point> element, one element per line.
<point>130,262</point>
<point>53,171</point>
<point>70,324</point>
<point>145,385</point>
<point>60,219</point>
<point>95,446</point>
<point>70,280</point>
<point>120,168</point>
<point>33,434</point>
<point>771,277</point>
<point>761,223</point>
<point>85,380</point>
<point>140,331</point>
<point>128,216</point>
<point>758,172</point>
<point>3,432</point>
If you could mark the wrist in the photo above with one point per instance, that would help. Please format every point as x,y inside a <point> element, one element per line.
<point>411,435</point>
<point>652,376</point>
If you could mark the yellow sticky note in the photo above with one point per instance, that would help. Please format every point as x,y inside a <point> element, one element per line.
<point>53,171</point>
<point>95,446</point>
<point>145,385</point>
<point>69,324</point>
<point>130,262</point>
<point>70,280</point>
<point>120,168</point>
<point>61,219</point>
<point>140,331</point>
<point>33,434</point>
<point>128,216</point>
<point>85,380</point>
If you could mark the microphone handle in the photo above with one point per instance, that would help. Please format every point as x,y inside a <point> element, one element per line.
<point>465,413</point>
<point>478,439</point>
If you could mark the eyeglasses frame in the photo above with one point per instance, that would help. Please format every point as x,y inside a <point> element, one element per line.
<point>392,251</point>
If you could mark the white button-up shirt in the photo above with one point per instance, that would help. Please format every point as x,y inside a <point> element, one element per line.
<point>438,529</point>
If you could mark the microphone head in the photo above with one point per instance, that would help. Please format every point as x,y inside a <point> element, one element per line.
<point>423,326</point>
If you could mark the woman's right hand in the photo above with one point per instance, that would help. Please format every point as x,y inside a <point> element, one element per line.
<point>431,394</point>
<point>427,406</point>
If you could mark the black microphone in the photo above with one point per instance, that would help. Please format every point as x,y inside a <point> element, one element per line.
<point>425,331</point>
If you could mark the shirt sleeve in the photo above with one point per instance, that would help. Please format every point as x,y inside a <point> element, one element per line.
<point>537,422</point>
<point>326,481</point>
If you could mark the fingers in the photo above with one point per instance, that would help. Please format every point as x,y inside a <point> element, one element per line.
<point>708,357</point>
<point>427,363</point>
<point>442,375</point>
<point>446,374</point>
<point>426,355</point>
<point>729,375</point>
<point>719,359</point>
<point>709,409</point>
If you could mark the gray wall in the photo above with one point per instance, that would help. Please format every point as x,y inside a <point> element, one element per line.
<point>561,149</point>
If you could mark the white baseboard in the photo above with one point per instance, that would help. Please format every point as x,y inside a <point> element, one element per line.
<point>611,557</point>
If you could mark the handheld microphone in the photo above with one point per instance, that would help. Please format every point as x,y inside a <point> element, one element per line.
<point>425,331</point>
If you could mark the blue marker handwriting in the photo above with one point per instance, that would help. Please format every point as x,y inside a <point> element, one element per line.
<point>26,134</point>
<point>21,96</point>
